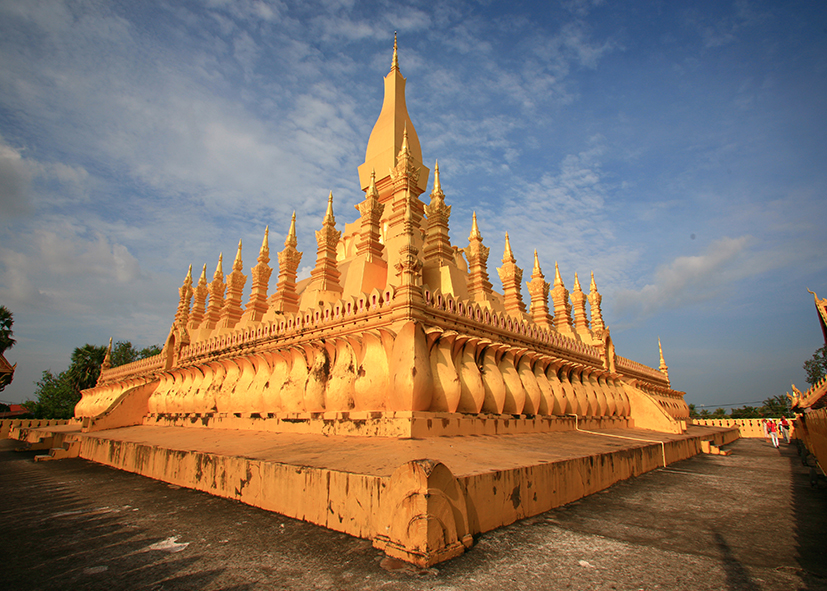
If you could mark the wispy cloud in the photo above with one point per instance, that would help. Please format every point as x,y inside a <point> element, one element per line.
<point>691,279</point>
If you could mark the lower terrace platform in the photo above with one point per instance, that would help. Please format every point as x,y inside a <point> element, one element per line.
<point>420,500</point>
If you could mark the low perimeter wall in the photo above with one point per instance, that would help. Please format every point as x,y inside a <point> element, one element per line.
<point>8,424</point>
<point>749,428</point>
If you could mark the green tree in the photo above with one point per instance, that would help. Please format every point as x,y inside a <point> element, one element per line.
<point>124,352</point>
<point>58,394</point>
<point>56,397</point>
<point>776,406</point>
<point>85,366</point>
<point>693,412</point>
<point>6,322</point>
<point>747,412</point>
<point>150,351</point>
<point>719,413</point>
<point>816,367</point>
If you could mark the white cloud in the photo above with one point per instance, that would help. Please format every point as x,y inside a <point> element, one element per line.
<point>689,280</point>
<point>15,181</point>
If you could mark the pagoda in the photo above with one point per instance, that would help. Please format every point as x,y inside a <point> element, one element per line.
<point>396,334</point>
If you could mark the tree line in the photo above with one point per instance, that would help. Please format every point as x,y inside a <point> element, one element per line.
<point>57,394</point>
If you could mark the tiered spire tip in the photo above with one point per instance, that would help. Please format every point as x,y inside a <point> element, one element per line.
<point>328,216</point>
<point>395,60</point>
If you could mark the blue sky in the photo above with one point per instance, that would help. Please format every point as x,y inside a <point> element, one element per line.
<point>677,149</point>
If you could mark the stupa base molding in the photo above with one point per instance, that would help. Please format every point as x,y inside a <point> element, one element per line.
<point>419,500</point>
<point>386,424</point>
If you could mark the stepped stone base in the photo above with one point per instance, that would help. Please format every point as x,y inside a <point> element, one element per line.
<point>420,500</point>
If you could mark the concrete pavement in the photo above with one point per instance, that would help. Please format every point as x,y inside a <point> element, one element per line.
<point>745,521</point>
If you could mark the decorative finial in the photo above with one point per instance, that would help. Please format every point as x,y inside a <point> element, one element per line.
<point>593,286</point>
<point>265,244</point>
<point>237,265</point>
<point>664,369</point>
<point>219,269</point>
<point>557,279</point>
<point>437,186</point>
<point>536,270</point>
<point>508,256</point>
<point>395,60</point>
<point>576,282</point>
<point>372,190</point>
<point>404,149</point>
<point>328,216</point>
<point>109,349</point>
<point>203,278</point>
<point>188,278</point>
<point>291,239</point>
<point>475,231</point>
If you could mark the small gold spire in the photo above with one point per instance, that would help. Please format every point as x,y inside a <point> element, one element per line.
<point>660,351</point>
<point>557,279</point>
<point>203,278</point>
<point>475,231</point>
<point>437,186</point>
<point>328,216</point>
<point>536,270</point>
<point>404,149</point>
<point>237,265</point>
<point>109,349</point>
<point>219,270</point>
<point>593,286</point>
<point>265,244</point>
<point>576,282</point>
<point>291,239</point>
<point>508,256</point>
<point>372,190</point>
<point>395,60</point>
<point>188,278</point>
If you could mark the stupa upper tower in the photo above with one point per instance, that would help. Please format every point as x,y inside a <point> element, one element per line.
<point>385,140</point>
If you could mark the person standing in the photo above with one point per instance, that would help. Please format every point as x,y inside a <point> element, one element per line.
<point>785,429</point>
<point>773,431</point>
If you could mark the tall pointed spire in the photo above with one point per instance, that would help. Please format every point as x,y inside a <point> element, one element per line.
<point>285,298</point>
<point>597,315</point>
<point>370,244</point>
<point>437,249</point>
<point>479,287</point>
<point>328,214</point>
<point>231,313</point>
<point>562,306</point>
<point>185,293</point>
<point>388,133</point>
<point>107,359</point>
<point>201,292</point>
<point>257,306</point>
<point>395,60</point>
<point>664,369</point>
<point>324,284</point>
<point>237,264</point>
<point>538,289</point>
<point>581,321</point>
<point>216,292</point>
<point>511,276</point>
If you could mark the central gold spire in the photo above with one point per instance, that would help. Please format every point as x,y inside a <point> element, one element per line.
<point>386,138</point>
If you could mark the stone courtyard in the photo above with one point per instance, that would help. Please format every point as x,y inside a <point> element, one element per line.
<point>750,520</point>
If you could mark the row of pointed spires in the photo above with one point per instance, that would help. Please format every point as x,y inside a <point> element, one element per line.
<point>227,311</point>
